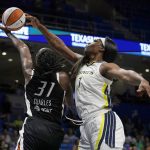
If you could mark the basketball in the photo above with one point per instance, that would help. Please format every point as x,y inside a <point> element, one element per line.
<point>13,18</point>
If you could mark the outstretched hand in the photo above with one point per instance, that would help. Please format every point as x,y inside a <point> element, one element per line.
<point>31,20</point>
<point>144,87</point>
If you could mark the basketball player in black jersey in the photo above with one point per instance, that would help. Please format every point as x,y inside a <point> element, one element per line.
<point>45,88</point>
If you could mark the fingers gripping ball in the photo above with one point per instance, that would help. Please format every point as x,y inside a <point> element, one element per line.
<point>13,18</point>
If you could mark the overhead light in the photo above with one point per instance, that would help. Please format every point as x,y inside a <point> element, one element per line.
<point>16,81</point>
<point>146,70</point>
<point>4,53</point>
<point>10,59</point>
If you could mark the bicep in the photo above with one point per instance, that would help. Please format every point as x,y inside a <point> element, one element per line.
<point>118,73</point>
<point>128,76</point>
<point>113,71</point>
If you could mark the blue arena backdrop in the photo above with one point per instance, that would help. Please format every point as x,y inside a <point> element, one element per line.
<point>81,40</point>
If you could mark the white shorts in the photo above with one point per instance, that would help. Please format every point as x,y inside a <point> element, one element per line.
<point>103,132</point>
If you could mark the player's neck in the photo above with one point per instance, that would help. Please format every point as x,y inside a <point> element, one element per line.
<point>96,58</point>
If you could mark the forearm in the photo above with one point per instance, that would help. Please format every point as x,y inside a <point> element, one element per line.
<point>113,71</point>
<point>132,77</point>
<point>143,85</point>
<point>17,43</point>
<point>24,52</point>
<point>57,44</point>
<point>52,39</point>
<point>21,46</point>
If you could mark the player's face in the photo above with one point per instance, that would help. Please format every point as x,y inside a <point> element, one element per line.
<point>94,48</point>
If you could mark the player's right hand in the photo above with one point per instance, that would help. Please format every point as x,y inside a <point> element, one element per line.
<point>144,87</point>
<point>31,20</point>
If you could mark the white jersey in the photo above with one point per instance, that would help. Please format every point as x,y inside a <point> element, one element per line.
<point>91,90</point>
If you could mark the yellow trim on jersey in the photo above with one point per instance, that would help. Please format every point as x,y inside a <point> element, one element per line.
<point>78,146</point>
<point>104,95</point>
<point>100,132</point>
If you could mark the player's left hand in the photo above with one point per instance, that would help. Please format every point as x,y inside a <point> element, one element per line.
<point>144,87</point>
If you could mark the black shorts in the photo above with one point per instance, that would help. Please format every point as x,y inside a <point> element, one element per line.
<point>40,134</point>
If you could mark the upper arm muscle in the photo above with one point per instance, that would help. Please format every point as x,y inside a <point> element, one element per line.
<point>112,71</point>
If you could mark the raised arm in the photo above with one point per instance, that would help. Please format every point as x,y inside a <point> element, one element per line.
<point>55,42</point>
<point>113,71</point>
<point>24,52</point>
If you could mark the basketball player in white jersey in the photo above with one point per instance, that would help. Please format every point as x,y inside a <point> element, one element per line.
<point>46,88</point>
<point>94,72</point>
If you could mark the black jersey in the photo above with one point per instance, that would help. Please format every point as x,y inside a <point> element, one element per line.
<point>44,97</point>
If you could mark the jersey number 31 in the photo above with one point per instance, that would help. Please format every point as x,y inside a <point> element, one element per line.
<point>44,84</point>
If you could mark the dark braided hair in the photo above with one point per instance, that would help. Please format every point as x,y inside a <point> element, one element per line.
<point>109,55</point>
<point>111,50</point>
<point>48,61</point>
